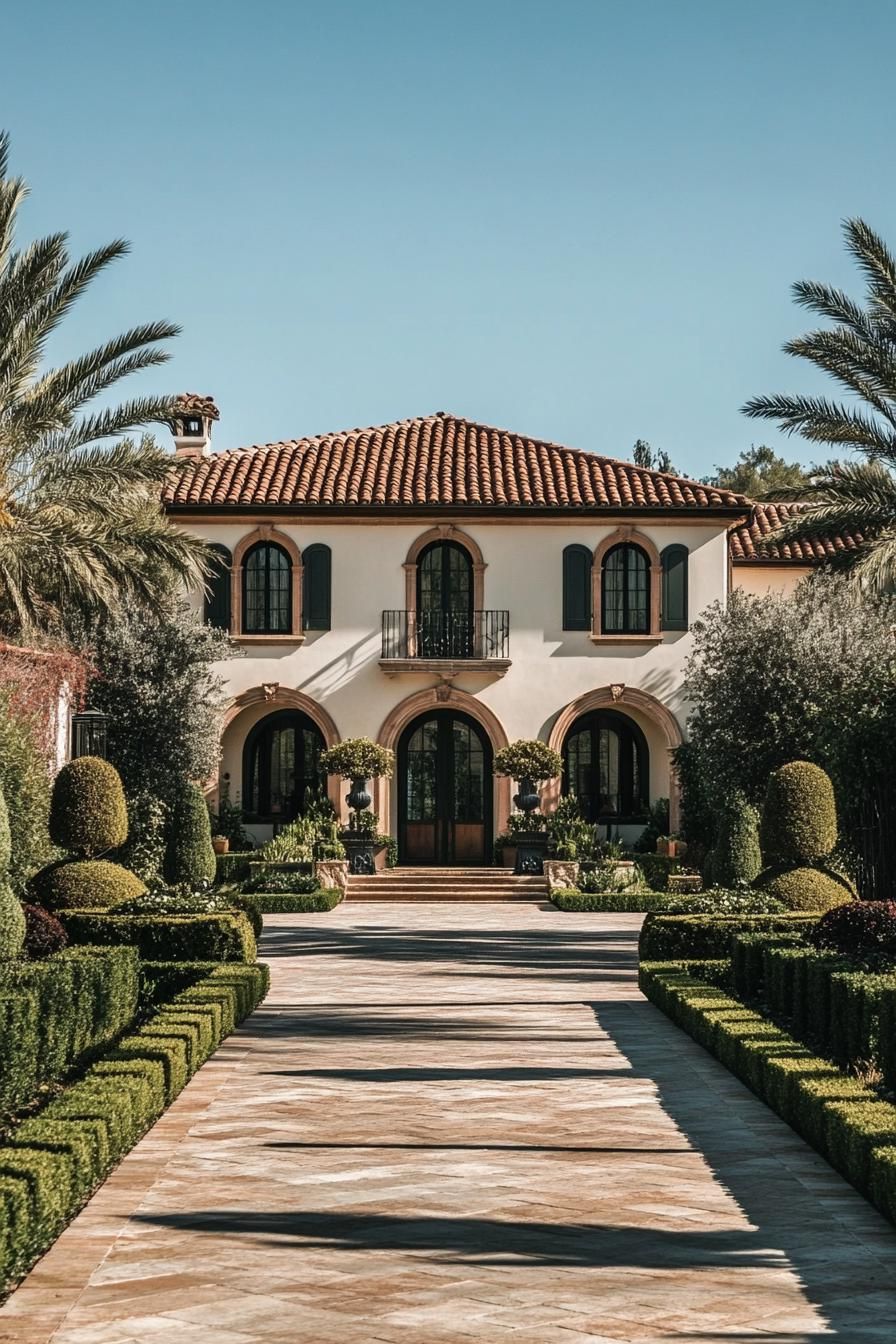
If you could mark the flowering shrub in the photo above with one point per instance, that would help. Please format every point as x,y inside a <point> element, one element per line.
<point>44,935</point>
<point>358,758</point>
<point>862,930</point>
<point>718,901</point>
<point>274,881</point>
<point>528,759</point>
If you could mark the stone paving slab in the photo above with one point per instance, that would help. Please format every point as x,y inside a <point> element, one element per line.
<point>460,1124</point>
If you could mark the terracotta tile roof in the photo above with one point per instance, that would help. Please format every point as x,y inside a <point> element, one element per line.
<point>747,542</point>
<point>437,459</point>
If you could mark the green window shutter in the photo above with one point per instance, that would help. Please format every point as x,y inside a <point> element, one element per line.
<point>674,561</point>
<point>316,588</point>
<point>217,597</point>
<point>577,588</point>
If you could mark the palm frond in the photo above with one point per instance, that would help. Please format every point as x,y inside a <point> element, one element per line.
<point>824,421</point>
<point>876,262</point>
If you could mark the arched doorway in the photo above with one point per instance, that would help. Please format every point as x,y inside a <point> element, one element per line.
<point>445,790</point>
<point>606,765</point>
<point>281,766</point>
<point>445,601</point>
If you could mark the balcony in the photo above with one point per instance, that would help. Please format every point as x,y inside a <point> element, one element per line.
<point>446,642</point>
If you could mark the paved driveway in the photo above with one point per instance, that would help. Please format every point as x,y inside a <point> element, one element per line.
<point>463,1123</point>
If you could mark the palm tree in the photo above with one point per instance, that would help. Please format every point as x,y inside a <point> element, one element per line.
<point>81,527</point>
<point>858,497</point>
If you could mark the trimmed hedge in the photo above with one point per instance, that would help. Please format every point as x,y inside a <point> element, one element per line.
<point>85,884</point>
<point>161,980</point>
<point>224,937</point>
<point>297,903</point>
<point>620,902</point>
<point>840,1117</point>
<point>56,1013</point>
<point>736,855</point>
<point>698,937</point>
<point>53,1163</point>
<point>88,813</point>
<point>189,855</point>
<point>232,866</point>
<point>806,888</point>
<point>799,815</point>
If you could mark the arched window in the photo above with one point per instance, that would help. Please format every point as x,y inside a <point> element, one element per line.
<point>217,593</point>
<point>281,766</point>
<point>577,561</point>
<point>625,591</point>
<point>267,590</point>
<point>674,560</point>
<point>316,587</point>
<point>445,601</point>
<point>606,766</point>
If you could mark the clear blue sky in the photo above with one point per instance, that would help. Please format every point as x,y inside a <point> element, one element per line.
<point>574,218</point>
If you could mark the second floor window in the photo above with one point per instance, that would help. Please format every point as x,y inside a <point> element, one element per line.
<point>267,591</point>
<point>625,592</point>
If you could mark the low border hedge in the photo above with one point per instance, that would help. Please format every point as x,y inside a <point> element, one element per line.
<point>232,866</point>
<point>698,937</point>
<point>214,937</point>
<point>296,903</point>
<point>838,1115</point>
<point>52,1164</point>
<point>618,902</point>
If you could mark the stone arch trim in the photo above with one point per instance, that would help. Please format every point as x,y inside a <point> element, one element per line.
<point>620,698</point>
<point>265,532</point>
<point>444,532</point>
<point>444,696</point>
<point>625,536</point>
<point>275,698</point>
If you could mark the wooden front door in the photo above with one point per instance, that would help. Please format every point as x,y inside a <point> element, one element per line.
<point>445,791</point>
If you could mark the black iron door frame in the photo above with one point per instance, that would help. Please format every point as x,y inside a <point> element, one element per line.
<point>445,821</point>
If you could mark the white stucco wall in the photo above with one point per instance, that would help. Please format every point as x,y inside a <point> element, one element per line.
<point>760,579</point>
<point>339,669</point>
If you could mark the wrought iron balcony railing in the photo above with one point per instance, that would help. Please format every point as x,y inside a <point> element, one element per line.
<point>446,634</point>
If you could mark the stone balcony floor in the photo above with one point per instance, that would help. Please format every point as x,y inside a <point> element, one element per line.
<point>463,1123</point>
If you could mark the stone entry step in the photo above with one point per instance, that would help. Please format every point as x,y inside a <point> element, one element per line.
<point>446,884</point>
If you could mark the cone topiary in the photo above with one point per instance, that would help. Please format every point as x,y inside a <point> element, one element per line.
<point>807,888</point>
<point>86,884</point>
<point>12,916</point>
<point>736,857</point>
<point>190,857</point>
<point>88,813</point>
<point>799,816</point>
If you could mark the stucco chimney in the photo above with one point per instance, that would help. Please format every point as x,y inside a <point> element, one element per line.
<point>191,424</point>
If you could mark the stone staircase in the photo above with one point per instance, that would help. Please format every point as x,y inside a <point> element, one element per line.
<point>446,884</point>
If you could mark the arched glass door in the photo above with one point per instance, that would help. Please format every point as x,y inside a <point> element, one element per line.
<point>606,766</point>
<point>445,601</point>
<point>281,766</point>
<point>445,791</point>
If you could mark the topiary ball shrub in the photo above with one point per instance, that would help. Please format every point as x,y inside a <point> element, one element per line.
<point>799,815</point>
<point>44,935</point>
<point>86,884</point>
<point>88,813</point>
<point>736,855</point>
<point>806,888</point>
<point>862,930</point>
<point>190,856</point>
<point>12,924</point>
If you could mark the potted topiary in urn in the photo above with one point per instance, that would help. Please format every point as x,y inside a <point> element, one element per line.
<point>530,762</point>
<point>358,760</point>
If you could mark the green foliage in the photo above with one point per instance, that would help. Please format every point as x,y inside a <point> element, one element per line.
<point>12,923</point>
<point>572,837</point>
<point>806,888</point>
<point>297,903</point>
<point>608,875</point>
<point>759,473</point>
<point>56,1013</point>
<point>656,869</point>
<point>50,1165</point>
<point>799,815</point>
<point>267,877</point>
<point>228,820</point>
<point>233,866</point>
<point>736,855</point>
<point>358,758</point>
<point>841,1117</point>
<point>657,827</point>
<point>215,937</point>
<point>719,901</point>
<point>44,935</point>
<point>529,758</point>
<point>88,814</point>
<point>89,531</point>
<point>25,781</point>
<point>314,835</point>
<point>156,680</point>
<point>85,884</point>
<point>667,937</point>
<point>144,850</point>
<point>608,901</point>
<point>653,459</point>
<point>189,856</point>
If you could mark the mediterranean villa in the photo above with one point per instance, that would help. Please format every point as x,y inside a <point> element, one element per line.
<point>444,588</point>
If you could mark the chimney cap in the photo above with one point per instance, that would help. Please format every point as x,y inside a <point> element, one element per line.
<point>194,403</point>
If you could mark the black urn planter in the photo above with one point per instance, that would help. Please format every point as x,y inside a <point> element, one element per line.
<point>360,852</point>
<point>527,799</point>
<point>358,797</point>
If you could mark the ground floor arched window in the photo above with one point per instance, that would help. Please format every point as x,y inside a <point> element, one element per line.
<point>281,766</point>
<point>606,765</point>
